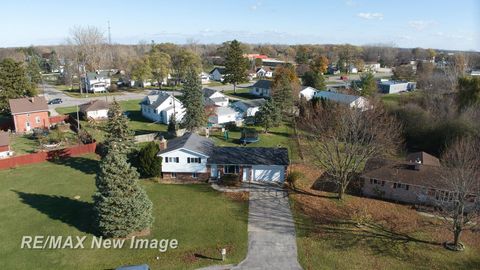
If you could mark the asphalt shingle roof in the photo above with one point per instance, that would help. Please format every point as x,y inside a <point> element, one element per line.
<point>94,105</point>
<point>25,105</point>
<point>265,84</point>
<point>249,156</point>
<point>190,141</point>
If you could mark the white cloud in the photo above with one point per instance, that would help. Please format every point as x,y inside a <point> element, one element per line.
<point>370,16</point>
<point>420,24</point>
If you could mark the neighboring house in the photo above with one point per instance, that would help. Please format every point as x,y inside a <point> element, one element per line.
<point>416,180</point>
<point>307,92</point>
<point>95,109</point>
<point>262,88</point>
<point>195,158</point>
<point>264,72</point>
<point>475,73</point>
<point>352,70</point>
<point>223,115</point>
<point>350,100</point>
<point>141,84</point>
<point>214,97</point>
<point>272,62</point>
<point>217,74</point>
<point>5,150</point>
<point>29,113</point>
<point>392,87</point>
<point>204,77</point>
<point>249,107</point>
<point>96,81</point>
<point>372,67</point>
<point>160,106</point>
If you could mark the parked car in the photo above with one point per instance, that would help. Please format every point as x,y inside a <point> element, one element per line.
<point>55,101</point>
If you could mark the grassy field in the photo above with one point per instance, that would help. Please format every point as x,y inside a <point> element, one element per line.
<point>137,122</point>
<point>39,200</point>
<point>23,144</point>
<point>393,100</point>
<point>362,233</point>
<point>74,92</point>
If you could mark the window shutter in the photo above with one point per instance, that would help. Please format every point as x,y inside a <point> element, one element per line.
<point>177,160</point>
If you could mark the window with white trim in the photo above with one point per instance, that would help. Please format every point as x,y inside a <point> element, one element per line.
<point>174,175</point>
<point>231,169</point>
<point>37,119</point>
<point>194,160</point>
<point>194,175</point>
<point>172,160</point>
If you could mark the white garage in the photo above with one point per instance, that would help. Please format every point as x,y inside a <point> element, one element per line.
<point>268,173</point>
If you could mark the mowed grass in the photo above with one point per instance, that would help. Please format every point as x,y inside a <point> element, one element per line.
<point>75,92</point>
<point>361,233</point>
<point>137,123</point>
<point>39,200</point>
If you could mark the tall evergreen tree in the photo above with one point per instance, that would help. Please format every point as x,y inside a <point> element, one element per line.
<point>13,83</point>
<point>193,102</point>
<point>121,205</point>
<point>118,134</point>
<point>235,65</point>
<point>268,115</point>
<point>314,79</point>
<point>283,96</point>
<point>368,84</point>
<point>33,70</point>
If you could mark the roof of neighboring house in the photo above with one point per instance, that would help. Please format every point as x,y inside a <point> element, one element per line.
<point>424,158</point>
<point>266,69</point>
<point>154,101</point>
<point>266,84</point>
<point>94,105</point>
<point>392,82</point>
<point>338,97</point>
<point>26,105</point>
<point>99,74</point>
<point>249,156</point>
<point>192,142</point>
<point>307,87</point>
<point>224,111</point>
<point>403,172</point>
<point>208,92</point>
<point>220,69</point>
<point>4,138</point>
<point>219,99</point>
<point>250,103</point>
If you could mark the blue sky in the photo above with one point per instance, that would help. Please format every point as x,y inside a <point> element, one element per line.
<point>444,24</point>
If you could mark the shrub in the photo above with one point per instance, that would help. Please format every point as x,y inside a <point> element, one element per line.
<point>113,88</point>
<point>293,177</point>
<point>149,165</point>
<point>231,180</point>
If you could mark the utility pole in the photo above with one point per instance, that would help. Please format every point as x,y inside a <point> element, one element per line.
<point>109,35</point>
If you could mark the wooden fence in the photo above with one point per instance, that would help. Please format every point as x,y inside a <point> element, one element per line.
<point>46,156</point>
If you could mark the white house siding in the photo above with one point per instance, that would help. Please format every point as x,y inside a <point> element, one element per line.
<point>98,114</point>
<point>263,92</point>
<point>183,166</point>
<point>216,76</point>
<point>308,93</point>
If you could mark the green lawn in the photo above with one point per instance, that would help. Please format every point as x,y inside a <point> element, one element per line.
<point>393,100</point>
<point>74,92</point>
<point>137,122</point>
<point>39,200</point>
<point>23,144</point>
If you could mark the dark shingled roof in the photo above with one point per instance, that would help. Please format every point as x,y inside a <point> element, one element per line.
<point>94,105</point>
<point>266,84</point>
<point>220,69</point>
<point>4,139</point>
<point>207,92</point>
<point>249,156</point>
<point>190,141</point>
<point>25,105</point>
<point>253,102</point>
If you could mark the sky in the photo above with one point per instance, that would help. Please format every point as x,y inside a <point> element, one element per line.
<point>440,24</point>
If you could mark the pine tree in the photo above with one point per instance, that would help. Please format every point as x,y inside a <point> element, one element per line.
<point>14,83</point>
<point>121,205</point>
<point>193,102</point>
<point>118,134</point>
<point>172,125</point>
<point>33,70</point>
<point>149,165</point>
<point>235,65</point>
<point>283,96</point>
<point>268,115</point>
<point>314,79</point>
<point>368,84</point>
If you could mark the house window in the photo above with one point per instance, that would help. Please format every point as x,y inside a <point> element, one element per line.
<point>231,169</point>
<point>174,175</point>
<point>172,160</point>
<point>194,175</point>
<point>37,119</point>
<point>407,187</point>
<point>194,160</point>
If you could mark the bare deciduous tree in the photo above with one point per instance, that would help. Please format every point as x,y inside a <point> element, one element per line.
<point>90,46</point>
<point>461,180</point>
<point>340,139</point>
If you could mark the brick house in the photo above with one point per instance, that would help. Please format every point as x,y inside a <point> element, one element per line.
<point>417,180</point>
<point>29,113</point>
<point>196,158</point>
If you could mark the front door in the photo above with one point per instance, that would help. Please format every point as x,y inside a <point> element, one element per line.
<point>213,171</point>
<point>27,126</point>
<point>246,174</point>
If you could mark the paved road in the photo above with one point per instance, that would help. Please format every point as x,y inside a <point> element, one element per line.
<point>271,232</point>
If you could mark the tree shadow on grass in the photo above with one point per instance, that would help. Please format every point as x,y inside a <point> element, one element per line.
<point>78,214</point>
<point>85,165</point>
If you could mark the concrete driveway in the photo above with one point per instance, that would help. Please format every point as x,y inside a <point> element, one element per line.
<point>271,231</point>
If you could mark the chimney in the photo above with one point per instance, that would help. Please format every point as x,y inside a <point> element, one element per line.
<point>32,99</point>
<point>163,143</point>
